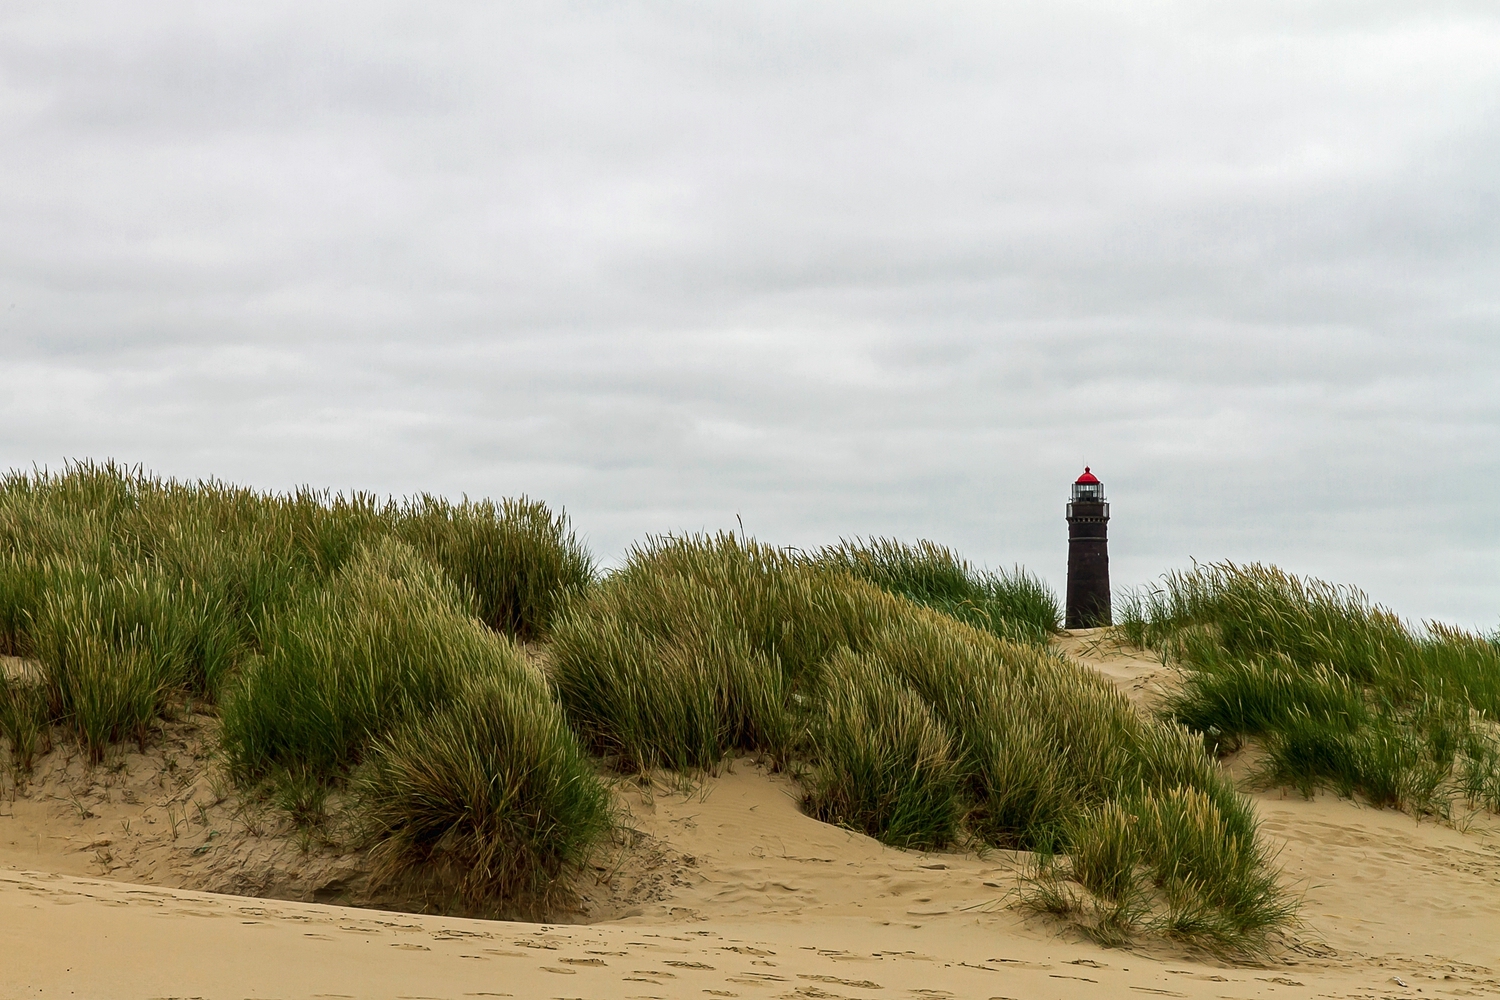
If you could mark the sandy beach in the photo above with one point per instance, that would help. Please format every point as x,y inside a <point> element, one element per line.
<point>731,891</point>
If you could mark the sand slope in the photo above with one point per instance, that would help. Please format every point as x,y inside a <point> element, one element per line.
<point>735,893</point>
<point>162,816</point>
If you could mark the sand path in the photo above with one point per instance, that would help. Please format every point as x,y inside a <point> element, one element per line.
<point>758,900</point>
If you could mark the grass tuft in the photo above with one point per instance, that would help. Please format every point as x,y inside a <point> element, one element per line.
<point>697,648</point>
<point>491,792</point>
<point>885,764</point>
<point>24,722</point>
<point>1013,605</point>
<point>521,561</point>
<point>1342,694</point>
<point>389,638</point>
<point>1167,861</point>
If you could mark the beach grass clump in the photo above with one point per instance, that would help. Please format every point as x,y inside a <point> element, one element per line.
<point>1012,604</point>
<point>112,650</point>
<point>1478,769</point>
<point>38,542</point>
<point>1219,884</point>
<point>1042,739</point>
<point>134,590</point>
<point>1256,698</point>
<point>23,582</point>
<point>699,647</point>
<point>390,637</point>
<point>24,722</point>
<point>1169,861</point>
<point>203,562</point>
<point>1414,759</point>
<point>1257,610</point>
<point>491,793</point>
<point>1455,664</point>
<point>1038,737</point>
<point>1340,692</point>
<point>520,560</point>
<point>460,762</point>
<point>886,765</point>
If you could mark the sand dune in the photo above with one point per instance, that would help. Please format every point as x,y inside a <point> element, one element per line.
<point>733,892</point>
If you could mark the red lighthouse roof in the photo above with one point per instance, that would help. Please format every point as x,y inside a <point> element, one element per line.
<point>1087,477</point>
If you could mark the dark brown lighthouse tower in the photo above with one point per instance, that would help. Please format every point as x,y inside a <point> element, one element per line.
<point>1088,554</point>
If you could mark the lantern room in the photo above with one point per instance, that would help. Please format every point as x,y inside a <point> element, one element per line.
<point>1088,487</point>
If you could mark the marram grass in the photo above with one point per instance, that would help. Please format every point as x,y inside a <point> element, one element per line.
<point>188,578</point>
<point>887,766</point>
<point>23,723</point>
<point>1341,693</point>
<point>324,626</point>
<point>518,559</point>
<point>491,792</point>
<point>1168,861</point>
<point>367,647</point>
<point>1012,605</point>
<point>700,647</point>
<point>389,639</point>
<point>914,727</point>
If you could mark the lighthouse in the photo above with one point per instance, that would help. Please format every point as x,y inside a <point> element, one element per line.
<point>1088,554</point>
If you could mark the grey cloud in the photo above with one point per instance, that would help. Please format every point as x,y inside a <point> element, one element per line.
<point>835,268</point>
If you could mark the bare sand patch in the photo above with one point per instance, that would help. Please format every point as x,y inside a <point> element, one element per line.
<point>163,815</point>
<point>14,668</point>
<point>1139,674</point>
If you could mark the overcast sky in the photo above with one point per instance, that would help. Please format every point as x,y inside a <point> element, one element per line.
<point>834,269</point>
